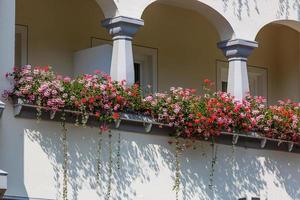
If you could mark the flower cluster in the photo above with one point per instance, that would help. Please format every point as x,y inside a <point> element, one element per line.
<point>90,94</point>
<point>202,116</point>
<point>192,115</point>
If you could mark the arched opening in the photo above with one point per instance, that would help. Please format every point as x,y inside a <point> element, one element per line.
<point>217,19</point>
<point>279,54</point>
<point>186,42</point>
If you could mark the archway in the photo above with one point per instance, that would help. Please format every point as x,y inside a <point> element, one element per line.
<point>186,40</point>
<point>219,21</point>
<point>278,53</point>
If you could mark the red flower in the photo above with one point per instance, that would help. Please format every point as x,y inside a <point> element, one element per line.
<point>46,68</point>
<point>116,116</point>
<point>197,121</point>
<point>91,100</point>
<point>207,81</point>
<point>83,100</point>
<point>119,99</point>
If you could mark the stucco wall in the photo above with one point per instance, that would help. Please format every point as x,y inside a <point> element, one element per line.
<point>34,159</point>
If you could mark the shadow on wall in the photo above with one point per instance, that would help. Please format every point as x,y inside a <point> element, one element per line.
<point>148,168</point>
<point>240,6</point>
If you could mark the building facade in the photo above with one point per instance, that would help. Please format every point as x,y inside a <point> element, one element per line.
<point>243,46</point>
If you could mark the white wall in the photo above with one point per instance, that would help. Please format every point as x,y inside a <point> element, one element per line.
<point>34,159</point>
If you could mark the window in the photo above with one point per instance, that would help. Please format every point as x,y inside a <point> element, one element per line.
<point>137,73</point>
<point>21,43</point>
<point>257,79</point>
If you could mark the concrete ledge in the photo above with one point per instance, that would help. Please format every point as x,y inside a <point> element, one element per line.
<point>3,183</point>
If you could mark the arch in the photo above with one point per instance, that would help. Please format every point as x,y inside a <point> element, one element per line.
<point>108,7</point>
<point>278,51</point>
<point>293,24</point>
<point>219,21</point>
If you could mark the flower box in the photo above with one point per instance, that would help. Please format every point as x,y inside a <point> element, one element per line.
<point>25,110</point>
<point>142,123</point>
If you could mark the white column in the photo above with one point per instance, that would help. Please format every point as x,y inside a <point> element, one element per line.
<point>122,30</point>
<point>7,39</point>
<point>7,60</point>
<point>237,52</point>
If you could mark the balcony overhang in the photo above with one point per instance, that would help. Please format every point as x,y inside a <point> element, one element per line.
<point>3,183</point>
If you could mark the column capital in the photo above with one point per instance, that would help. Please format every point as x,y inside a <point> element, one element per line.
<point>237,48</point>
<point>122,27</point>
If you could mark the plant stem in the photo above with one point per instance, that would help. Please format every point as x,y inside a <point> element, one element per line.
<point>109,168</point>
<point>119,151</point>
<point>213,163</point>
<point>99,157</point>
<point>65,154</point>
<point>177,168</point>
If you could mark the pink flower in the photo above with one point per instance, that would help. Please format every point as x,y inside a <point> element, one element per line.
<point>67,79</point>
<point>97,71</point>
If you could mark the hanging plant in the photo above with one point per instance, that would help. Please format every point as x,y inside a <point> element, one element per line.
<point>176,186</point>
<point>213,163</point>
<point>119,151</point>
<point>99,157</point>
<point>108,194</point>
<point>38,108</point>
<point>65,157</point>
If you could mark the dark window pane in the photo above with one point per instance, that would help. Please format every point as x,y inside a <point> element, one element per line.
<point>137,73</point>
<point>224,86</point>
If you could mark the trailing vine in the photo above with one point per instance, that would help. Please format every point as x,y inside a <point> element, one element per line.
<point>119,151</point>
<point>176,186</point>
<point>213,163</point>
<point>99,156</point>
<point>38,109</point>
<point>84,116</point>
<point>108,194</point>
<point>65,157</point>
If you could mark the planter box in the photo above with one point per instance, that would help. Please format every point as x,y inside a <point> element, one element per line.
<point>141,123</point>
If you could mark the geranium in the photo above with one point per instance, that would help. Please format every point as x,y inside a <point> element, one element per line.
<point>193,116</point>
